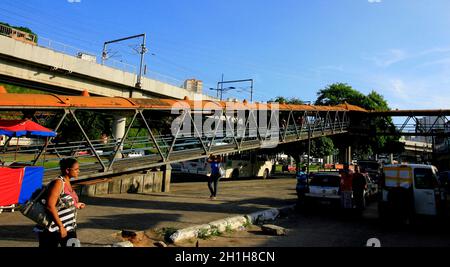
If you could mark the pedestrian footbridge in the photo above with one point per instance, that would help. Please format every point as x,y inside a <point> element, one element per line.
<point>148,133</point>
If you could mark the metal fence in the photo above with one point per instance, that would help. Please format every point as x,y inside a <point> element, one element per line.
<point>77,52</point>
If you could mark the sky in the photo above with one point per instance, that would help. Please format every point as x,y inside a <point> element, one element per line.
<point>291,48</point>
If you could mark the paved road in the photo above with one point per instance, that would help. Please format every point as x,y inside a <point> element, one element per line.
<point>327,228</point>
<point>188,204</point>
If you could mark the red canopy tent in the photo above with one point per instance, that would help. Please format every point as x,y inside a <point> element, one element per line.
<point>24,127</point>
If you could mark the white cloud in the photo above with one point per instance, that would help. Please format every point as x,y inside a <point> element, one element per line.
<point>407,92</point>
<point>393,56</point>
<point>374,1</point>
<point>389,58</point>
<point>74,1</point>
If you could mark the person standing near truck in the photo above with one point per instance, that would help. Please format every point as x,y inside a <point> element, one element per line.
<point>302,184</point>
<point>359,185</point>
<point>346,187</point>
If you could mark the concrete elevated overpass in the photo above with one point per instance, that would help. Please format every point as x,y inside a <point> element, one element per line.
<point>36,67</point>
<point>417,146</point>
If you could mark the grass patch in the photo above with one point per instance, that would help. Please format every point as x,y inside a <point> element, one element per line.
<point>208,233</point>
<point>247,223</point>
<point>203,234</point>
<point>215,231</point>
<point>228,228</point>
<point>20,90</point>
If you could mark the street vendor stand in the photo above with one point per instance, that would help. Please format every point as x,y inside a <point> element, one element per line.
<point>18,183</point>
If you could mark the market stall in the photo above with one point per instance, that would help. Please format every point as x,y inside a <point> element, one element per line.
<point>18,183</point>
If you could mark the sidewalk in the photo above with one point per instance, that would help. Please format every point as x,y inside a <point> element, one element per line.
<point>186,205</point>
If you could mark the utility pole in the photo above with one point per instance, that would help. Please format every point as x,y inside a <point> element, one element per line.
<point>221,89</point>
<point>142,52</point>
<point>309,146</point>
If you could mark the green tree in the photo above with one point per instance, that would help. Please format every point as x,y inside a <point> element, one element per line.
<point>322,147</point>
<point>93,123</point>
<point>339,93</point>
<point>375,101</point>
<point>20,90</point>
<point>284,100</point>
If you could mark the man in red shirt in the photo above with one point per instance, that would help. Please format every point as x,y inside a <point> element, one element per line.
<point>346,187</point>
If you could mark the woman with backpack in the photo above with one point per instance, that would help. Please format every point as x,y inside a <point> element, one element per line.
<point>61,204</point>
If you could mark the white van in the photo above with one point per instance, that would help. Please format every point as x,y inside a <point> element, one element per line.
<point>417,186</point>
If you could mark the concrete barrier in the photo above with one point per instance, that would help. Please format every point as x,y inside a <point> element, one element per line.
<point>263,216</point>
<point>189,233</point>
<point>126,184</point>
<point>147,186</point>
<point>126,244</point>
<point>114,186</point>
<point>231,223</point>
<point>226,224</point>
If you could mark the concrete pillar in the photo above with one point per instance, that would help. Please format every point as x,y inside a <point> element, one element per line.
<point>345,154</point>
<point>348,154</point>
<point>167,173</point>
<point>118,130</point>
<point>328,159</point>
<point>135,94</point>
<point>341,155</point>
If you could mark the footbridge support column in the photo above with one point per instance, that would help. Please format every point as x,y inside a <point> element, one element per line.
<point>118,130</point>
<point>345,154</point>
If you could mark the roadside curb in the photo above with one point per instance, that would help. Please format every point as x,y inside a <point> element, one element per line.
<point>230,223</point>
<point>124,244</point>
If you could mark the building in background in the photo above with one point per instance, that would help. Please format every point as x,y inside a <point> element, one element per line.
<point>193,85</point>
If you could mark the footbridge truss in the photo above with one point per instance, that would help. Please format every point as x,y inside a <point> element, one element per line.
<point>156,132</point>
<point>433,123</point>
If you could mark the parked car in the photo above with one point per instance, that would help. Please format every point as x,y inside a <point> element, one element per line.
<point>372,167</point>
<point>324,188</point>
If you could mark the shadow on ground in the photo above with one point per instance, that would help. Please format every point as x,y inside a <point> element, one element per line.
<point>219,206</point>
